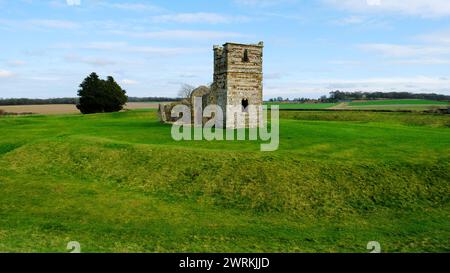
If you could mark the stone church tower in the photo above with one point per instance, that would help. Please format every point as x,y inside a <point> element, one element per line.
<point>238,75</point>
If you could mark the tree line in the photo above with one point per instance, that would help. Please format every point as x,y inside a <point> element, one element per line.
<point>95,95</point>
<point>340,95</point>
<point>27,101</point>
<point>151,99</point>
<point>336,96</point>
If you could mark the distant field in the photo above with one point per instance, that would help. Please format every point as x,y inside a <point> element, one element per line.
<point>416,105</point>
<point>411,105</point>
<point>397,102</point>
<point>52,109</point>
<point>44,109</point>
<point>303,105</point>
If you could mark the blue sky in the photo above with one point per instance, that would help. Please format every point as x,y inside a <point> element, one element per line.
<point>153,47</point>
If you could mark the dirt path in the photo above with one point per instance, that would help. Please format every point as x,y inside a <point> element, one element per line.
<point>342,105</point>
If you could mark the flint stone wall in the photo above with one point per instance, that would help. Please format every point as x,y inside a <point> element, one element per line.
<point>238,75</point>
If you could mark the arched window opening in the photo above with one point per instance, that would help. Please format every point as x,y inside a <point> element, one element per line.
<point>244,105</point>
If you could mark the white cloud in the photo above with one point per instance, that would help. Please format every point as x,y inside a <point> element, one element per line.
<point>181,34</point>
<point>439,37</point>
<point>345,62</point>
<point>6,74</point>
<point>423,61</point>
<point>363,21</point>
<point>273,76</point>
<point>73,2</point>
<point>161,50</point>
<point>129,82</point>
<point>94,61</point>
<point>422,8</point>
<point>39,23</point>
<point>59,24</point>
<point>125,47</point>
<point>386,80</point>
<point>262,3</point>
<point>401,51</point>
<point>16,63</point>
<point>314,88</point>
<point>282,15</point>
<point>199,17</point>
<point>44,78</point>
<point>351,20</point>
<point>102,45</point>
<point>144,7</point>
<point>434,50</point>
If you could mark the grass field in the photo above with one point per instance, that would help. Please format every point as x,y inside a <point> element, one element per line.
<point>398,102</point>
<point>303,105</point>
<point>119,183</point>
<point>404,104</point>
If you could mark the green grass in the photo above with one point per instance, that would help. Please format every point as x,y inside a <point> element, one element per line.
<point>404,104</point>
<point>303,105</point>
<point>398,102</point>
<point>119,183</point>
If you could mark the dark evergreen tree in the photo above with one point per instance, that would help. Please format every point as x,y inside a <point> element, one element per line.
<point>115,96</point>
<point>98,96</point>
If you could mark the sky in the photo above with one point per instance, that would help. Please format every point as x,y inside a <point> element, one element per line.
<point>153,47</point>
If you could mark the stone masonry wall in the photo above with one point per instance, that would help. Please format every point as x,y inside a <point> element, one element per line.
<point>237,77</point>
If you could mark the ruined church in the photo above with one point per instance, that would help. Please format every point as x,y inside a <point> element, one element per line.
<point>237,82</point>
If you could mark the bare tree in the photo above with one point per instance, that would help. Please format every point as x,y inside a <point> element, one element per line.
<point>186,91</point>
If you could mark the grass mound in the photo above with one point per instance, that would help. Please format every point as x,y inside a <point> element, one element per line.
<point>118,182</point>
<point>256,182</point>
